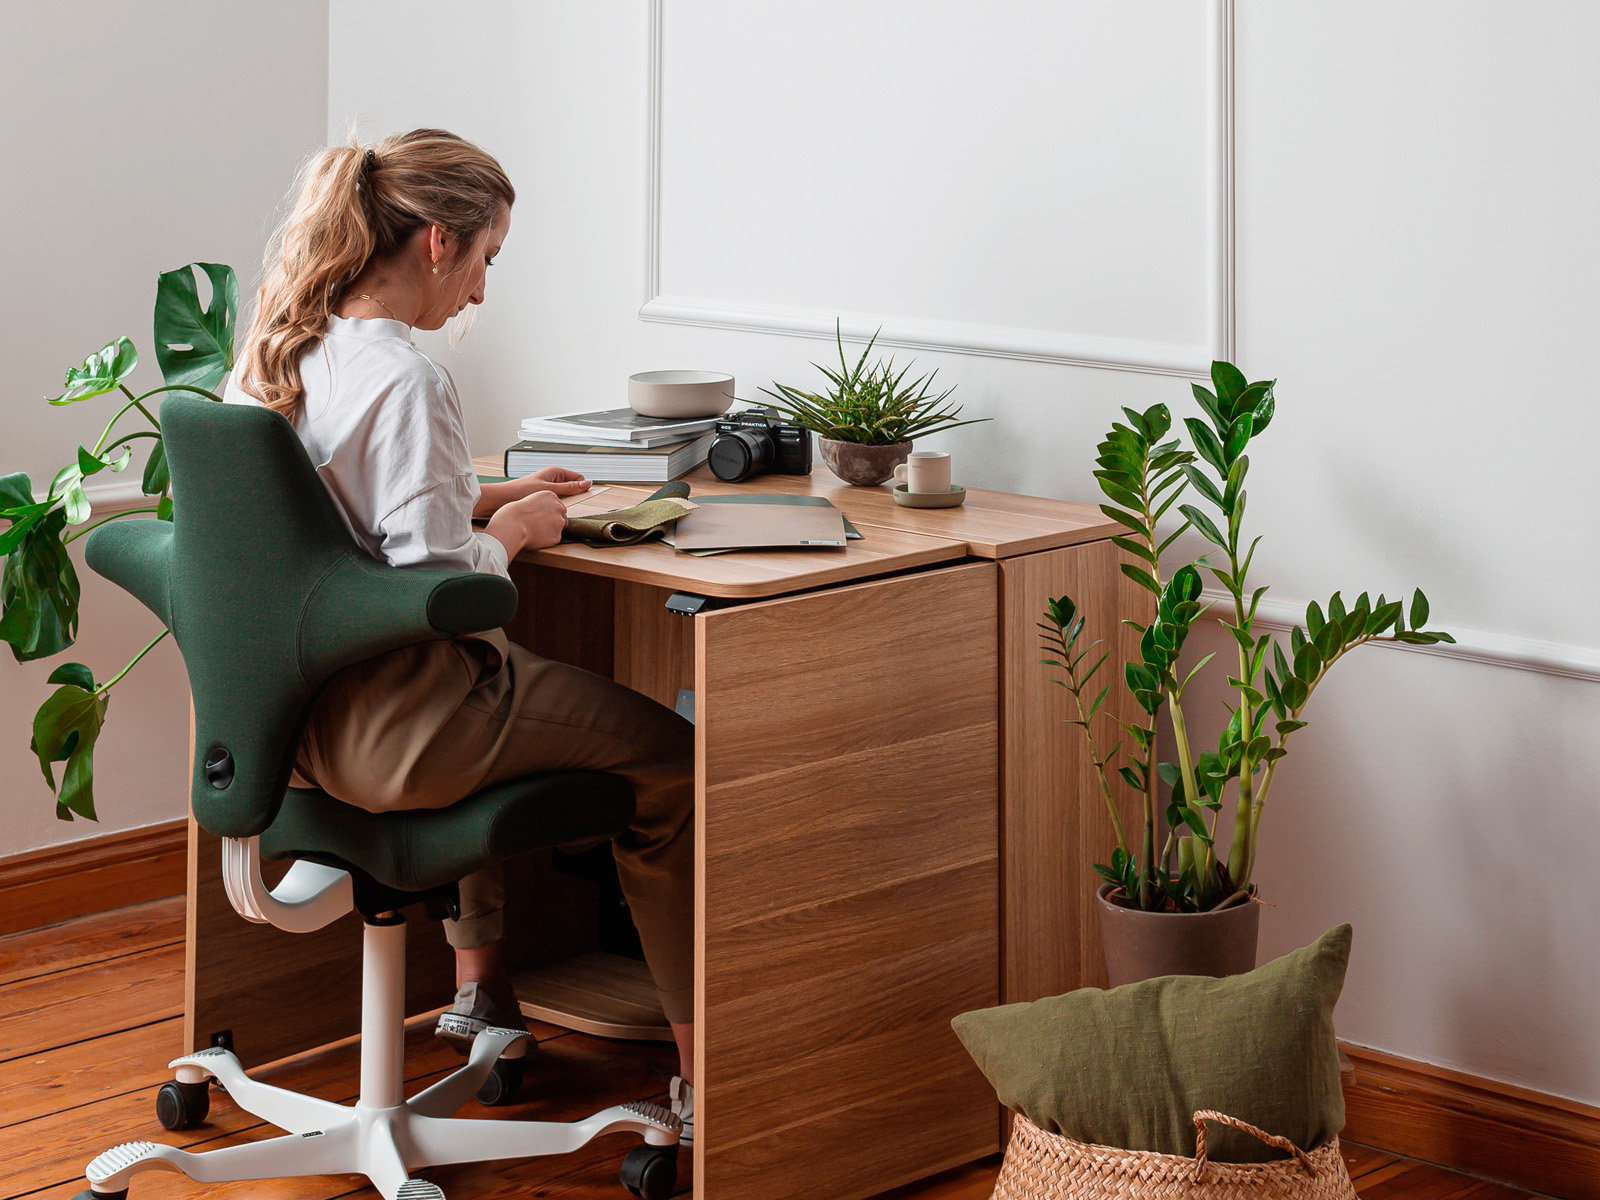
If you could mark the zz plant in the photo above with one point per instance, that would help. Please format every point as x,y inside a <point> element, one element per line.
<point>39,588</point>
<point>1178,865</point>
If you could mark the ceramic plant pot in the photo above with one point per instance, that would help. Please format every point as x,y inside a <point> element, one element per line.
<point>864,466</point>
<point>1141,945</point>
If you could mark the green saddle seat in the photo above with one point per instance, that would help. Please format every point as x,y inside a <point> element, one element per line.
<point>419,849</point>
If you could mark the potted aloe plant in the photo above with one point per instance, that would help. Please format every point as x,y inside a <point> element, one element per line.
<point>867,417</point>
<point>39,588</point>
<point>1178,894</point>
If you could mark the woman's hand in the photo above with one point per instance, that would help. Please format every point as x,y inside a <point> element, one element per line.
<point>556,480</point>
<point>536,520</point>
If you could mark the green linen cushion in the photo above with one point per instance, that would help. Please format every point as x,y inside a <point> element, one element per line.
<point>1129,1067</point>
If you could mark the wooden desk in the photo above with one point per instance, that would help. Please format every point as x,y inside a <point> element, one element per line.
<point>892,825</point>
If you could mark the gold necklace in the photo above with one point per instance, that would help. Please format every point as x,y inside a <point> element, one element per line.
<point>380,304</point>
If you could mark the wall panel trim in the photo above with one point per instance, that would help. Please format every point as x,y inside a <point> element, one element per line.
<point>1034,345</point>
<point>1472,645</point>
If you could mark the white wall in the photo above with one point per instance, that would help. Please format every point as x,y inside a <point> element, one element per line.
<point>136,138</point>
<point>1415,256</point>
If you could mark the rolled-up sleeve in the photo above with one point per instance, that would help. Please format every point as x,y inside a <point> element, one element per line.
<point>434,529</point>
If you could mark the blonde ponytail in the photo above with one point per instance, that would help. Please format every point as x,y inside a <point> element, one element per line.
<point>353,205</point>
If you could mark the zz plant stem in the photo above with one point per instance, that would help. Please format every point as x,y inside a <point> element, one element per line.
<point>1142,478</point>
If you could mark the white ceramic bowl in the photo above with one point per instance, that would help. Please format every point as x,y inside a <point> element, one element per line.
<point>680,394</point>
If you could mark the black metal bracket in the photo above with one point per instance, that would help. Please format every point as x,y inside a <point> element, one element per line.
<point>687,604</point>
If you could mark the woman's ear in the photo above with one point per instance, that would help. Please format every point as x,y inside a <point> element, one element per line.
<point>437,246</point>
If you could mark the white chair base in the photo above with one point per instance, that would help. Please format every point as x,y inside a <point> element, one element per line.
<point>383,1136</point>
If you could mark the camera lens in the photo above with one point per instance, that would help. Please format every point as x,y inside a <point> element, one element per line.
<point>738,454</point>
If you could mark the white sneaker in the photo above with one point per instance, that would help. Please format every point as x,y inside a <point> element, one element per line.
<point>681,1095</point>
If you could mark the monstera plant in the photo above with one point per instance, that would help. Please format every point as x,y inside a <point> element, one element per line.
<point>39,587</point>
<point>1176,864</point>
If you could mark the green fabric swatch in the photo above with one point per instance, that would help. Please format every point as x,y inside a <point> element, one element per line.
<point>627,526</point>
<point>1129,1067</point>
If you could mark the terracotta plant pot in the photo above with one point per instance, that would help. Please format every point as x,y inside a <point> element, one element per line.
<point>864,466</point>
<point>1141,945</point>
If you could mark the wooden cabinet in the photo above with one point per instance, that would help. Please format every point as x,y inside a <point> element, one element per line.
<point>893,825</point>
<point>847,901</point>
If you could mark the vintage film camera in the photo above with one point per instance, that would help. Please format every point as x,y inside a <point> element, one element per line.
<point>755,442</point>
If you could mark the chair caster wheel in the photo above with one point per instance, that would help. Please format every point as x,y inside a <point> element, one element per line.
<point>502,1084</point>
<point>181,1106</point>
<point>651,1171</point>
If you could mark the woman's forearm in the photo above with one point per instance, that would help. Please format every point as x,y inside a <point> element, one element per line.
<point>493,495</point>
<point>509,534</point>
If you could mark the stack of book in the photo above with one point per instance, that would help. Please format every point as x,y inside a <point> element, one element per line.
<point>613,446</point>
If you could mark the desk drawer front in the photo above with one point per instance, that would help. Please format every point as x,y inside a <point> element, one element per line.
<point>848,887</point>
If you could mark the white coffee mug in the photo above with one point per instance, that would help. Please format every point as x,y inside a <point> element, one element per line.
<point>925,471</point>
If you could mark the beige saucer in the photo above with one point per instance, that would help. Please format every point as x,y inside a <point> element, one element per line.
<point>949,499</point>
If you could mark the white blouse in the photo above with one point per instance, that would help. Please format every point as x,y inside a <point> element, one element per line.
<point>382,423</point>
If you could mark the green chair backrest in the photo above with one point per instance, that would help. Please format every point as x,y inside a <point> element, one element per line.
<point>268,596</point>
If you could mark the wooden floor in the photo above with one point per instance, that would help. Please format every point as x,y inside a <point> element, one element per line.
<point>91,1012</point>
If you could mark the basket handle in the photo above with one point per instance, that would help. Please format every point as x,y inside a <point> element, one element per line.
<point>1271,1139</point>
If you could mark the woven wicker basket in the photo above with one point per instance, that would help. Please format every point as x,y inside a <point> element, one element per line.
<point>1047,1166</point>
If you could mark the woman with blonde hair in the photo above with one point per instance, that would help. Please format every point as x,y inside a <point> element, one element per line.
<point>382,240</point>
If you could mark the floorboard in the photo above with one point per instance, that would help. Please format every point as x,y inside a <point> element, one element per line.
<point>90,1014</point>
<point>37,1085</point>
<point>89,1000</point>
<point>93,939</point>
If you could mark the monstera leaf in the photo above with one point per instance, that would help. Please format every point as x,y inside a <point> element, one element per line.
<point>17,506</point>
<point>65,730</point>
<point>39,591</point>
<point>194,345</point>
<point>101,371</point>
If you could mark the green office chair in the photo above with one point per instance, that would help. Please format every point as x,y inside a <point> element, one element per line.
<point>268,597</point>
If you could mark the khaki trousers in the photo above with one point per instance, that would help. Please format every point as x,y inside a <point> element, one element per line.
<point>427,725</point>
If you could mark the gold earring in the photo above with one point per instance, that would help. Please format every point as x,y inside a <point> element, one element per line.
<point>435,268</point>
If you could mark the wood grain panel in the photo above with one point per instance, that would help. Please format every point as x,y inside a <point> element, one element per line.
<point>867,830</point>
<point>816,843</point>
<point>1054,821</point>
<point>654,647</point>
<point>93,875</point>
<point>1467,1123</point>
<point>764,953</point>
<point>850,674</point>
<point>858,1151</point>
<point>563,616</point>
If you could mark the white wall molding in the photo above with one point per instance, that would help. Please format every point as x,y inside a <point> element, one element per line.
<point>124,493</point>
<point>1035,345</point>
<point>1471,645</point>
